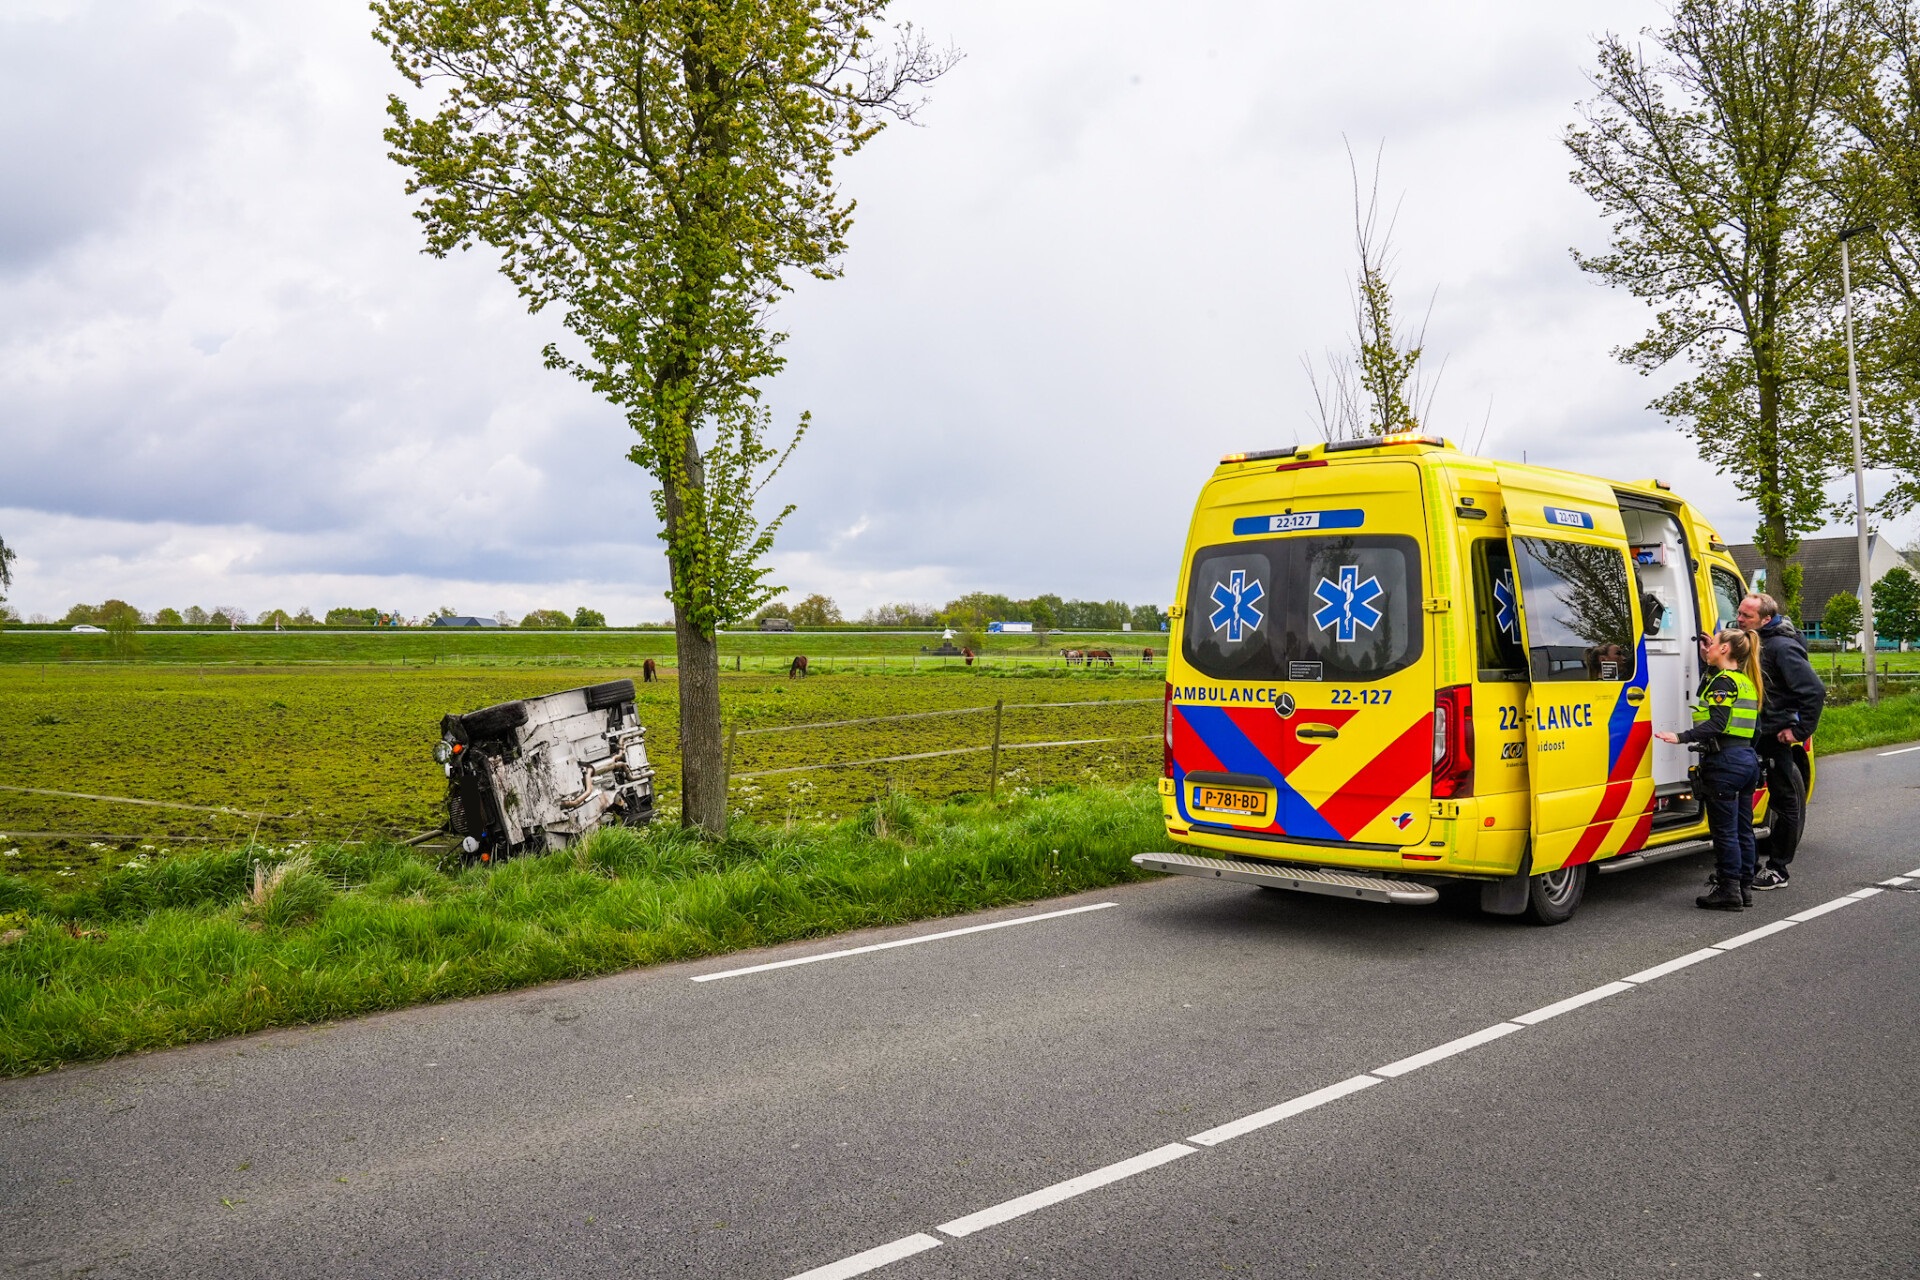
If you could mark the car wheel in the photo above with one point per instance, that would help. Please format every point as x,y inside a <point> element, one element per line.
<point>1553,896</point>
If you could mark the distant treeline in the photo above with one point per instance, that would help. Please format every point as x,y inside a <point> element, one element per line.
<point>973,612</point>
<point>970,613</point>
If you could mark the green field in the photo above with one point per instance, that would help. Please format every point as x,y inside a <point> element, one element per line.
<point>333,752</point>
<point>417,646</point>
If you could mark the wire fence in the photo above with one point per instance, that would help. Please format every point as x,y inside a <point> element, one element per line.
<point>994,748</point>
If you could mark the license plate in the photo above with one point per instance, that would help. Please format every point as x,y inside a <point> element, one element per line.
<point>1228,800</point>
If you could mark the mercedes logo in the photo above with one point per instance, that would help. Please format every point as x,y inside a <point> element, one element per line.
<point>1284,705</point>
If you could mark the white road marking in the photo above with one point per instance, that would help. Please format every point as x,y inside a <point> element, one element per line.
<point>1753,935</point>
<point>1572,1002</point>
<point>1902,751</point>
<point>1898,880</point>
<point>1674,965</point>
<point>907,1246</point>
<point>899,942</point>
<point>1447,1050</point>
<point>1272,1115</point>
<point>873,1259</point>
<point>1813,912</point>
<point>1010,1209</point>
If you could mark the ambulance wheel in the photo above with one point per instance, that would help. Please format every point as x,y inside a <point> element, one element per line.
<point>1553,896</point>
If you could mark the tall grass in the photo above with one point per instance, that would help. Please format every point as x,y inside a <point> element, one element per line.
<point>1852,726</point>
<point>207,945</point>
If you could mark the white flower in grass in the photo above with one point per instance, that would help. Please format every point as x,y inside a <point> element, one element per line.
<point>95,844</point>
<point>13,853</point>
<point>65,871</point>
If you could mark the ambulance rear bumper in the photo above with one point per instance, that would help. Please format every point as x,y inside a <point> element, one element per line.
<point>1338,884</point>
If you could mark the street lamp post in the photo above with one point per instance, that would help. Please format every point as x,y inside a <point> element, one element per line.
<point>1859,472</point>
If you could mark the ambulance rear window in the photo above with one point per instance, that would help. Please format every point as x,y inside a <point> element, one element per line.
<point>1579,617</point>
<point>1305,608</point>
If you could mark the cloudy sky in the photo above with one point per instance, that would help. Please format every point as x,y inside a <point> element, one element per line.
<point>228,375</point>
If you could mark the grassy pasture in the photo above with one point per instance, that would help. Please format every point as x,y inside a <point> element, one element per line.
<point>343,752</point>
<point>513,647</point>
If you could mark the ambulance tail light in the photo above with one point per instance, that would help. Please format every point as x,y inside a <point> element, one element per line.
<point>1453,742</point>
<point>1166,739</point>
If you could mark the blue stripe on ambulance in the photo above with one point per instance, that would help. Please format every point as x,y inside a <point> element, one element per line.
<point>1625,711</point>
<point>1232,749</point>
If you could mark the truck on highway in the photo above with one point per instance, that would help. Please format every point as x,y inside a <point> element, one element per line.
<point>1395,665</point>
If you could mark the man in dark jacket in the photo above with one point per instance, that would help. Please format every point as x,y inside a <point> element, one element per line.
<point>1792,696</point>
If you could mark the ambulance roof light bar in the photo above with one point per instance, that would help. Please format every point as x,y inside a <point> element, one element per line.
<point>1378,442</point>
<point>1339,446</point>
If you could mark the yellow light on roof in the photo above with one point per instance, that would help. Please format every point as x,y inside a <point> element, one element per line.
<point>1233,457</point>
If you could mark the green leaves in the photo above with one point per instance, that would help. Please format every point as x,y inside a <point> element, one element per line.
<point>658,169</point>
<point>1721,166</point>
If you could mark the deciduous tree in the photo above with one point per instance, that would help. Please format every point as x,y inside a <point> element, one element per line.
<point>1842,619</point>
<point>6,572</point>
<point>1896,605</point>
<point>1718,163</point>
<point>658,169</point>
<point>1375,387</point>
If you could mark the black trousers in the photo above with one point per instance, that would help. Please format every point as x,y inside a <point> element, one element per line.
<point>1725,785</point>
<point>1786,799</point>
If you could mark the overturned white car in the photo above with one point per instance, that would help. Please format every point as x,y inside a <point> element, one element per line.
<point>541,773</point>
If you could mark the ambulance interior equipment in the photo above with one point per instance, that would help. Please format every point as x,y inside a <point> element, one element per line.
<point>1670,618</point>
<point>541,773</point>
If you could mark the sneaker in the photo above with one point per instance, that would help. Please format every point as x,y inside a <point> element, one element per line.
<point>1768,878</point>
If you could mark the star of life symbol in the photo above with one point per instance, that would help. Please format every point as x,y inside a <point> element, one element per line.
<point>1504,615</point>
<point>1239,605</point>
<point>1347,605</point>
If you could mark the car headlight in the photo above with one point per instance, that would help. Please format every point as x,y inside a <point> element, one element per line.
<point>443,752</point>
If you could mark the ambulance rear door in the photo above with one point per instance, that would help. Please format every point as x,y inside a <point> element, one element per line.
<point>1587,719</point>
<point>1308,620</point>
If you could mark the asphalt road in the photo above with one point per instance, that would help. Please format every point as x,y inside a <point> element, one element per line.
<point>1752,1114</point>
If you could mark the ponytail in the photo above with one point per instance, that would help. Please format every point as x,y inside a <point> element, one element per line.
<point>1745,650</point>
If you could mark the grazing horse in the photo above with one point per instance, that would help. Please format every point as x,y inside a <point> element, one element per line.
<point>649,672</point>
<point>1146,657</point>
<point>1072,656</point>
<point>799,667</point>
<point>1099,655</point>
<point>968,655</point>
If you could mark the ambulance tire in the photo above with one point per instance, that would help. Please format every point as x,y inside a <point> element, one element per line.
<point>1553,896</point>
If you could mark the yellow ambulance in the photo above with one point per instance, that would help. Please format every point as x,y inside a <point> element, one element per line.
<point>1395,665</point>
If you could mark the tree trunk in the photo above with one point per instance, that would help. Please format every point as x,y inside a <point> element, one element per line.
<point>703,783</point>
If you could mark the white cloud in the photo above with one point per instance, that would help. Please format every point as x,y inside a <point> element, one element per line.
<point>227,371</point>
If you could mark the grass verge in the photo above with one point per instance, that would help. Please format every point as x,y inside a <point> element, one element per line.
<point>1854,725</point>
<point>212,944</point>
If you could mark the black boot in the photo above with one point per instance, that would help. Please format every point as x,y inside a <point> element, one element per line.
<point>1725,897</point>
<point>1746,892</point>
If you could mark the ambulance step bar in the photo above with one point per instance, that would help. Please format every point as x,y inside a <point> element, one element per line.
<point>1648,857</point>
<point>1339,884</point>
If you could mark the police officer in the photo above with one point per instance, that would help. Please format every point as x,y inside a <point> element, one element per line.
<point>1792,712</point>
<point>1725,717</point>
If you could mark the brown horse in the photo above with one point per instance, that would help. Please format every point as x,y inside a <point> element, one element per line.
<point>1146,657</point>
<point>649,672</point>
<point>799,667</point>
<point>1099,655</point>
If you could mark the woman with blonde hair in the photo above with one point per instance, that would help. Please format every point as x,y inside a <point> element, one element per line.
<point>1725,716</point>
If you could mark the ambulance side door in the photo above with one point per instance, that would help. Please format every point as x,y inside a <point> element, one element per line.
<point>1586,723</point>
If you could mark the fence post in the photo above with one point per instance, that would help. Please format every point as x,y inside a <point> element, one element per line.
<point>726,777</point>
<point>993,770</point>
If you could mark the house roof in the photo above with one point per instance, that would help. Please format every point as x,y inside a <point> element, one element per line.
<point>1828,567</point>
<point>464,622</point>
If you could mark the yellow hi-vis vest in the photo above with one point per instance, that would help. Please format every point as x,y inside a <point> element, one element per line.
<point>1731,688</point>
